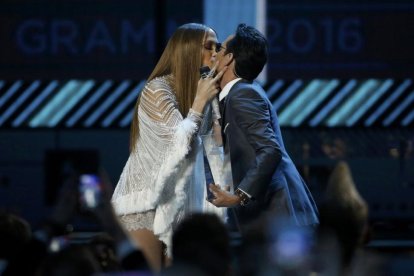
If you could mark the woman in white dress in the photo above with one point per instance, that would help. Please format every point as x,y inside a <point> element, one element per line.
<point>163,179</point>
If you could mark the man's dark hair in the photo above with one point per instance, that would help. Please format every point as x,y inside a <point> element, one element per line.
<point>249,48</point>
<point>202,241</point>
<point>76,259</point>
<point>15,232</point>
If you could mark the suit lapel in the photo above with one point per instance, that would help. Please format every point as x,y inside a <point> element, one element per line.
<point>223,119</point>
<point>223,105</point>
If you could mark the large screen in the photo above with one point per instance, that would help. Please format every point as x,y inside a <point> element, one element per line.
<point>340,39</point>
<point>87,39</point>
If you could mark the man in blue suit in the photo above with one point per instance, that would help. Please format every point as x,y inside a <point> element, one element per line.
<point>264,176</point>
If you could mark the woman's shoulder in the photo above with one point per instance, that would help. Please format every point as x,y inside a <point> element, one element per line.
<point>160,83</point>
<point>160,88</point>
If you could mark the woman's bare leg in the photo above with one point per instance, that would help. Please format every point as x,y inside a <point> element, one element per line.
<point>151,247</point>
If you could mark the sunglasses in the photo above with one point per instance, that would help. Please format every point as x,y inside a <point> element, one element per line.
<point>214,46</point>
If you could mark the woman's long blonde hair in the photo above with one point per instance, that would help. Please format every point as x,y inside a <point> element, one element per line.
<point>182,58</point>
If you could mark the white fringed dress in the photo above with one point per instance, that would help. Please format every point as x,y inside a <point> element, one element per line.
<point>163,179</point>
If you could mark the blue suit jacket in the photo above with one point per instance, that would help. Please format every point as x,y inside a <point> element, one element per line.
<point>260,164</point>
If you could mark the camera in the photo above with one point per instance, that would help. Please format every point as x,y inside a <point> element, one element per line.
<point>290,245</point>
<point>90,191</point>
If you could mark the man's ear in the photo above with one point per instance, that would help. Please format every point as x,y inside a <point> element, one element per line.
<point>229,58</point>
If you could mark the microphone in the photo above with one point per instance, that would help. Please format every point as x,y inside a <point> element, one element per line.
<point>204,72</point>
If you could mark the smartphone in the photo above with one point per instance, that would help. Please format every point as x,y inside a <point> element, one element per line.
<point>290,245</point>
<point>90,191</point>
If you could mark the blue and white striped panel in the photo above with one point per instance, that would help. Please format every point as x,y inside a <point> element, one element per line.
<point>299,103</point>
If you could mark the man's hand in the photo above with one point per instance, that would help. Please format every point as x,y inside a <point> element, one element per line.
<point>223,198</point>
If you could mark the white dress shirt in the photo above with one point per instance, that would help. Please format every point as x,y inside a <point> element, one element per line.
<point>226,88</point>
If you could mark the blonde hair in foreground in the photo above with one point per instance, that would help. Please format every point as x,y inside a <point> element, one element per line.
<point>182,57</point>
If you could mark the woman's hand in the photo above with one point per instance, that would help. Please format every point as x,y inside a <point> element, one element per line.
<point>207,88</point>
